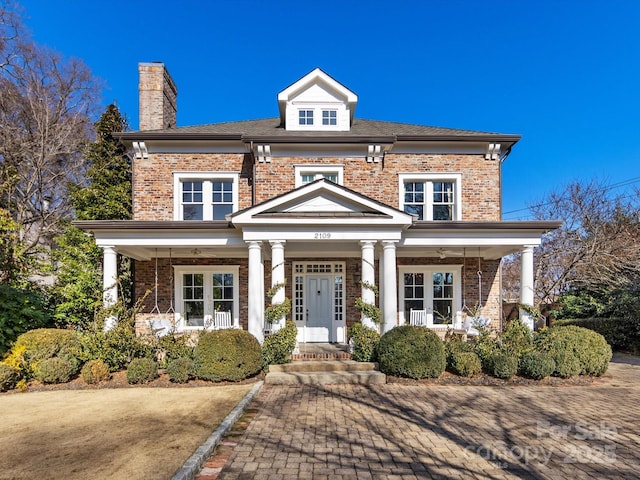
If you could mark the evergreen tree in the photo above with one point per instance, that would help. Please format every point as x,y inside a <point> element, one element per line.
<point>106,195</point>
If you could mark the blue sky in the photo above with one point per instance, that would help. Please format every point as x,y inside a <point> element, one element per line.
<point>565,74</point>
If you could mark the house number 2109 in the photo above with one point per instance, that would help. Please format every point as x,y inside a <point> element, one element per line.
<point>322,236</point>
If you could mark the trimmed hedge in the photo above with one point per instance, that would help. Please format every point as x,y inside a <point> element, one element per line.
<point>590,348</point>
<point>278,346</point>
<point>622,333</point>
<point>365,342</point>
<point>536,365</point>
<point>410,351</point>
<point>227,355</point>
<point>95,371</point>
<point>502,364</point>
<point>44,343</point>
<point>142,370</point>
<point>465,364</point>
<point>181,370</point>
<point>9,377</point>
<point>517,338</point>
<point>55,370</point>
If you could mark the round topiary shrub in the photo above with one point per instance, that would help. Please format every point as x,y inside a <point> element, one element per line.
<point>44,343</point>
<point>465,364</point>
<point>567,364</point>
<point>55,370</point>
<point>227,355</point>
<point>536,365</point>
<point>9,377</point>
<point>181,370</point>
<point>502,364</point>
<point>142,370</point>
<point>278,346</point>
<point>409,351</point>
<point>95,371</point>
<point>590,348</point>
<point>364,341</point>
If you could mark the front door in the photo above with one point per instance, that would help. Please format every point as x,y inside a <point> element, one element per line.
<point>318,293</point>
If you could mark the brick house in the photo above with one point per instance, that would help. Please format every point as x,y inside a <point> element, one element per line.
<point>320,201</point>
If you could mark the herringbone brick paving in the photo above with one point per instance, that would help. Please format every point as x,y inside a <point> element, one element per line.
<point>443,432</point>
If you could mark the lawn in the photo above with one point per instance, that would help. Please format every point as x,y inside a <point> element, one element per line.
<point>124,433</point>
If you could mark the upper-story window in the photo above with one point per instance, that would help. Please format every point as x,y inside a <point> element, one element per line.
<point>431,196</point>
<point>205,196</point>
<point>329,117</point>
<point>305,117</point>
<point>309,173</point>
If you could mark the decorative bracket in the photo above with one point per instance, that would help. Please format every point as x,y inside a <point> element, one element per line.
<point>374,153</point>
<point>493,152</point>
<point>263,152</point>
<point>140,150</point>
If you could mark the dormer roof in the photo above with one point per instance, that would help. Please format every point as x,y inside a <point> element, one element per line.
<point>319,93</point>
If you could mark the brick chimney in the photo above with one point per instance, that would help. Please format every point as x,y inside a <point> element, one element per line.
<point>157,97</point>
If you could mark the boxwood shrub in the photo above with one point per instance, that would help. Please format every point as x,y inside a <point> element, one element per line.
<point>45,343</point>
<point>410,351</point>
<point>591,350</point>
<point>55,370</point>
<point>9,377</point>
<point>364,341</point>
<point>181,370</point>
<point>142,370</point>
<point>227,355</point>
<point>466,364</point>
<point>95,371</point>
<point>278,346</point>
<point>502,364</point>
<point>536,365</point>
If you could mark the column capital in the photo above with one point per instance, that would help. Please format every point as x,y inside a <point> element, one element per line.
<point>368,243</point>
<point>276,243</point>
<point>254,243</point>
<point>389,243</point>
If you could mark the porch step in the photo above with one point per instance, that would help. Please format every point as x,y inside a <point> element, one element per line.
<point>324,372</point>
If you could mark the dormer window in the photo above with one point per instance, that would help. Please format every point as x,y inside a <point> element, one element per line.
<point>305,117</point>
<point>329,117</point>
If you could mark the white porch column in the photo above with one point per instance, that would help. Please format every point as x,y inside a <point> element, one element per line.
<point>526,284</point>
<point>109,283</point>
<point>389,286</point>
<point>368,278</point>
<point>277,276</point>
<point>255,310</point>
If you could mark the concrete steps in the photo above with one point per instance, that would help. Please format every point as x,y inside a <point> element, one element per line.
<point>322,372</point>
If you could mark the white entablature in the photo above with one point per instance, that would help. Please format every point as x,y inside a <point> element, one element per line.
<point>317,102</point>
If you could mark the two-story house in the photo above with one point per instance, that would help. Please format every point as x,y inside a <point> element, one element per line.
<point>318,200</point>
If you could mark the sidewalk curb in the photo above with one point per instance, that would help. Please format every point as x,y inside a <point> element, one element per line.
<point>194,463</point>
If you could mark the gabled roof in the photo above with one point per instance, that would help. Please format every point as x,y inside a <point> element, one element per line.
<point>323,202</point>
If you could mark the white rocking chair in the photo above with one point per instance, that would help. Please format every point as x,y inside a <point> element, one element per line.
<point>222,320</point>
<point>418,318</point>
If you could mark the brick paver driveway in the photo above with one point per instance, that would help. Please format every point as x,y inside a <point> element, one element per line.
<point>398,431</point>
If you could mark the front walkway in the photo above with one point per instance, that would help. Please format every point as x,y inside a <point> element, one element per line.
<point>397,431</point>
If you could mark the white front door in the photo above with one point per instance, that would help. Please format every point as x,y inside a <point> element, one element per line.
<point>318,293</point>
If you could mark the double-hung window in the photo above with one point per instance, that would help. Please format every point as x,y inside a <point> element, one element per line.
<point>329,117</point>
<point>203,291</point>
<point>205,196</point>
<point>309,173</point>
<point>431,196</point>
<point>434,289</point>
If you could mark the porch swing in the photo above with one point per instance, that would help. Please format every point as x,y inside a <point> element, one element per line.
<point>162,324</point>
<point>474,318</point>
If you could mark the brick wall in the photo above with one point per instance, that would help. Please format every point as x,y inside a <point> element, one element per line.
<point>158,96</point>
<point>153,179</point>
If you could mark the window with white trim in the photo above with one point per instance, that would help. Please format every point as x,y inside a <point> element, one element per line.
<point>305,117</point>
<point>329,117</point>
<point>202,291</point>
<point>433,288</point>
<point>431,196</point>
<point>205,196</point>
<point>309,173</point>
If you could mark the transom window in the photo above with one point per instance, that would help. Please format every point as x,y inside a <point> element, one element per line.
<point>329,117</point>
<point>305,117</point>
<point>431,197</point>
<point>309,173</point>
<point>434,289</point>
<point>204,292</point>
<point>203,197</point>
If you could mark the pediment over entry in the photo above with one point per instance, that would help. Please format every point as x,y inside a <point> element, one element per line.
<point>322,202</point>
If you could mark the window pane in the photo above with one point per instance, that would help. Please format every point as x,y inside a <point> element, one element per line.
<point>192,212</point>
<point>222,192</point>
<point>416,210</point>
<point>193,295</point>
<point>443,200</point>
<point>443,212</point>
<point>414,199</point>
<point>442,311</point>
<point>219,211</point>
